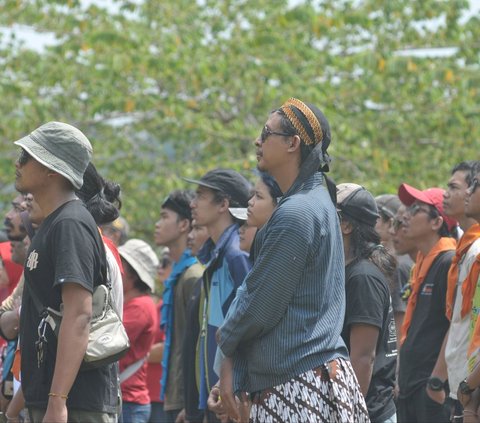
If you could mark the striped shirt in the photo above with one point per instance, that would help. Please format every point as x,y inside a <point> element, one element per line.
<point>288,313</point>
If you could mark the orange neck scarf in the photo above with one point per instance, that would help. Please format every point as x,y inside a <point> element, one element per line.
<point>468,285</point>
<point>422,266</point>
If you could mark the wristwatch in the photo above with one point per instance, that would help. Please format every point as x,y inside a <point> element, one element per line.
<point>464,388</point>
<point>435,384</point>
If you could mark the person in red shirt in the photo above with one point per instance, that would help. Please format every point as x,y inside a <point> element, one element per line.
<point>140,319</point>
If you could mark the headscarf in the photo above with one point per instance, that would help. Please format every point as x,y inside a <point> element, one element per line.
<point>311,125</point>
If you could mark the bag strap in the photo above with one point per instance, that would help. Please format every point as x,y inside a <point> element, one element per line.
<point>129,371</point>
<point>36,302</point>
<point>105,279</point>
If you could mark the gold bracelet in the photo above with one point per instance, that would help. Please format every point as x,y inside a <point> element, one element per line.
<point>53,394</point>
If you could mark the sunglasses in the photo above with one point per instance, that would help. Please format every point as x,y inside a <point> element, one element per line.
<point>23,158</point>
<point>474,185</point>
<point>266,132</point>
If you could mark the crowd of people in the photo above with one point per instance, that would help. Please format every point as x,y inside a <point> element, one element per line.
<point>289,299</point>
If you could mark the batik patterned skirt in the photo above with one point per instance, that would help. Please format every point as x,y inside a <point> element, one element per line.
<point>329,394</point>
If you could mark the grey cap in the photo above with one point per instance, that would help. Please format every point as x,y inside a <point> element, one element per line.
<point>60,147</point>
<point>388,204</point>
<point>142,258</point>
<point>356,202</point>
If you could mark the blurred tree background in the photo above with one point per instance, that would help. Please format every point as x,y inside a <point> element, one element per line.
<point>173,88</point>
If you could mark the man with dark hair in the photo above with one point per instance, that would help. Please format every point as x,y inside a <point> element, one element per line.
<point>65,262</point>
<point>16,232</point>
<point>227,265</point>
<point>468,392</point>
<point>369,326</point>
<point>172,231</point>
<point>388,205</point>
<point>425,323</point>
<point>452,360</point>
<point>287,317</point>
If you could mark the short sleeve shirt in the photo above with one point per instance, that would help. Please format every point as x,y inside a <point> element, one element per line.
<point>368,302</point>
<point>66,248</point>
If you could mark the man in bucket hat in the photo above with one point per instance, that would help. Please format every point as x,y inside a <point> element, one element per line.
<point>227,265</point>
<point>65,261</point>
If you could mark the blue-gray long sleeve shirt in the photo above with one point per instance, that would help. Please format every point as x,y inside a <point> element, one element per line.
<point>288,313</point>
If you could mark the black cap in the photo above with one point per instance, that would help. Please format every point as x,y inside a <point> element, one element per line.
<point>228,182</point>
<point>388,204</point>
<point>356,202</point>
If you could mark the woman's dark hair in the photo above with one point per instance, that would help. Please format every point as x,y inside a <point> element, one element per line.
<point>365,243</point>
<point>273,188</point>
<point>101,197</point>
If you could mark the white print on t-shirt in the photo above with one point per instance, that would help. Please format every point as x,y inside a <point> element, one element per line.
<point>32,261</point>
<point>427,289</point>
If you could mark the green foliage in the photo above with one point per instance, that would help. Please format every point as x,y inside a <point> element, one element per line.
<point>174,88</point>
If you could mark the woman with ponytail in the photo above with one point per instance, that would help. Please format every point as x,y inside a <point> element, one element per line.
<point>369,326</point>
<point>102,200</point>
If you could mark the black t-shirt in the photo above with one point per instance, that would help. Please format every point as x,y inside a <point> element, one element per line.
<point>421,347</point>
<point>402,277</point>
<point>368,302</point>
<point>66,248</point>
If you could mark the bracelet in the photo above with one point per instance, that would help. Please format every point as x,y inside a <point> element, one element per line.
<point>53,394</point>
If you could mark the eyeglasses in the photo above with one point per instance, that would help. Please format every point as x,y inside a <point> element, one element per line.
<point>266,132</point>
<point>397,224</point>
<point>23,158</point>
<point>417,208</point>
<point>474,185</point>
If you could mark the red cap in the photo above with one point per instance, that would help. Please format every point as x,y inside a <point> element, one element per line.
<point>433,196</point>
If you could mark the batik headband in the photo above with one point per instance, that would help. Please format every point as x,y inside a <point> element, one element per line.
<point>300,115</point>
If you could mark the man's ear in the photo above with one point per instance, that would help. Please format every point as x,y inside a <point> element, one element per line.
<point>294,143</point>
<point>225,204</point>
<point>436,223</point>
<point>184,225</point>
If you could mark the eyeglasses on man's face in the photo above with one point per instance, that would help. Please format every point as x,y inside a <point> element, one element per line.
<point>416,208</point>
<point>266,132</point>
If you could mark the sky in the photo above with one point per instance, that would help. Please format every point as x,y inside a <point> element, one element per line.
<point>38,41</point>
